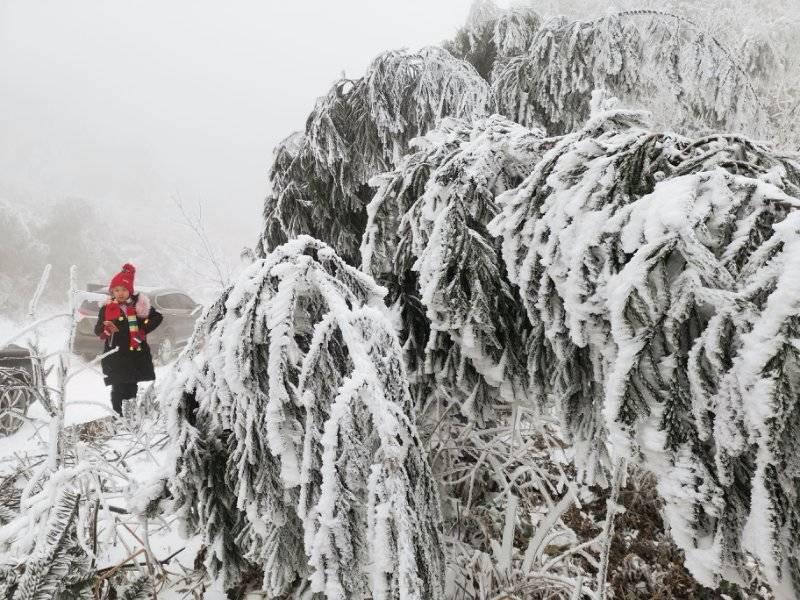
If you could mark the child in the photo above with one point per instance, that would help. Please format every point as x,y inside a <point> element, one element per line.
<point>123,323</point>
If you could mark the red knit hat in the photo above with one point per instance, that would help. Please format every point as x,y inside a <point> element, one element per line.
<point>124,278</point>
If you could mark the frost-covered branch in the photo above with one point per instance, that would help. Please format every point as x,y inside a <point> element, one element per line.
<point>656,271</point>
<point>319,179</point>
<point>658,60</point>
<point>296,444</point>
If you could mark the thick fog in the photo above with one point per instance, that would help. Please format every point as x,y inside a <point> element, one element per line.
<point>111,113</point>
<point>120,108</point>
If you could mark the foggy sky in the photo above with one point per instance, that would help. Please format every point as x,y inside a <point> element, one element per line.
<point>122,102</point>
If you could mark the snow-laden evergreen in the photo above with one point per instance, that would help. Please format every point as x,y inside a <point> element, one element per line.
<point>658,273</point>
<point>492,34</point>
<point>539,72</point>
<point>465,335</point>
<point>426,239</point>
<point>649,59</point>
<point>295,436</point>
<point>360,128</point>
<point>58,565</point>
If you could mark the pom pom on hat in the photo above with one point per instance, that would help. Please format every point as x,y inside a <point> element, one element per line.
<point>124,278</point>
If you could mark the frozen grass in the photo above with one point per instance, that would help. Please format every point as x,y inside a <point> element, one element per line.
<point>125,455</point>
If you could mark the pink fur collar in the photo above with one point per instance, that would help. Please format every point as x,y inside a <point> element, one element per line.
<point>142,305</point>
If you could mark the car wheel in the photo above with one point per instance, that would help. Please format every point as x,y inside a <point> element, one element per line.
<point>15,396</point>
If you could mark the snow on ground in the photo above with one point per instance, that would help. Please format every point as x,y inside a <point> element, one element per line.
<point>142,444</point>
<point>87,395</point>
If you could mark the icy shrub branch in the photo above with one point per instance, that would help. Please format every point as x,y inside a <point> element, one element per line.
<point>659,275</point>
<point>295,439</point>
<point>358,129</point>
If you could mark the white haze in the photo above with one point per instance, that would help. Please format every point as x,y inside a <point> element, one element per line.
<point>126,106</point>
<point>129,105</point>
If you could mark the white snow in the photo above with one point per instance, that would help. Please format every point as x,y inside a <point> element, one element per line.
<point>87,401</point>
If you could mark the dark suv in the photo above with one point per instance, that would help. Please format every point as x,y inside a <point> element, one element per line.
<point>179,310</point>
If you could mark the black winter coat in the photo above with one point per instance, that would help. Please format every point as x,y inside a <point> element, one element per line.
<point>126,365</point>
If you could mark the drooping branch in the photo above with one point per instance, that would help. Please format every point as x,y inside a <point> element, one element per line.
<point>655,272</point>
<point>290,415</point>
<point>362,127</point>
<point>651,59</point>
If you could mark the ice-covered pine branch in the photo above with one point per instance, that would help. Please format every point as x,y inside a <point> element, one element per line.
<point>650,59</point>
<point>360,128</point>
<point>58,566</point>
<point>493,34</point>
<point>463,326</point>
<point>295,441</point>
<point>660,276</point>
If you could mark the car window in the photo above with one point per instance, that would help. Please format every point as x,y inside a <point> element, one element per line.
<point>175,301</point>
<point>169,301</point>
<point>90,306</point>
<point>185,301</point>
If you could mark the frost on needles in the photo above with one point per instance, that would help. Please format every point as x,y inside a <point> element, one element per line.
<point>360,128</point>
<point>651,59</point>
<point>660,276</point>
<point>296,448</point>
<point>464,329</point>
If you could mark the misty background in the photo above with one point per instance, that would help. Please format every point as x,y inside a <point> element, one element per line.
<point>110,112</point>
<point>124,125</point>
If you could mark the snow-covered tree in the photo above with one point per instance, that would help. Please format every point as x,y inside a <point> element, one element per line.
<point>295,436</point>
<point>658,270</point>
<point>768,56</point>
<point>622,296</point>
<point>362,127</point>
<point>465,336</point>
<point>426,239</point>
<point>493,34</point>
<point>21,259</point>
<point>651,59</point>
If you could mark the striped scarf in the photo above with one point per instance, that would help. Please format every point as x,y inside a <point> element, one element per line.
<point>135,335</point>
